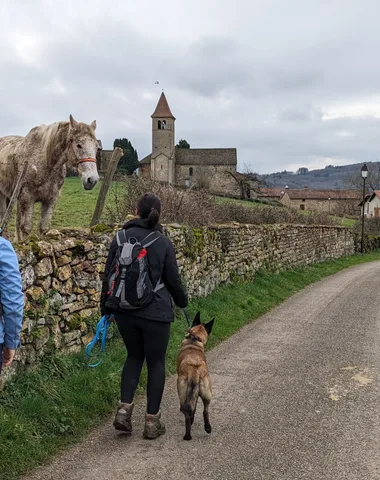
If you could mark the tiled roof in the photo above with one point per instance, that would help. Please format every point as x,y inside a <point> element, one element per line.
<point>206,156</point>
<point>272,192</point>
<point>146,160</point>
<point>311,194</point>
<point>162,109</point>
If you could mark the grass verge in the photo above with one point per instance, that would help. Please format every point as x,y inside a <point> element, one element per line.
<point>57,404</point>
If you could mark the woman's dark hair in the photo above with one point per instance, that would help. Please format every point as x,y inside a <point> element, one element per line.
<point>149,209</point>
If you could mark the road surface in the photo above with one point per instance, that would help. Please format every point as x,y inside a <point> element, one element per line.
<point>296,396</point>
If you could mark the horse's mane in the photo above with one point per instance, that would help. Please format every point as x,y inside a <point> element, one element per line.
<point>54,136</point>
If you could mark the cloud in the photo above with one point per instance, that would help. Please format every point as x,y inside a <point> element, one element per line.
<point>286,84</point>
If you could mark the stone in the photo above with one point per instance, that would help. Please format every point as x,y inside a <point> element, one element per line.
<point>43,268</point>
<point>64,273</point>
<point>66,287</point>
<point>63,260</point>
<point>35,293</point>
<point>55,302</point>
<point>65,244</point>
<point>28,277</point>
<point>45,283</point>
<point>45,249</point>
<point>41,336</point>
<point>88,246</point>
<point>55,234</point>
<point>82,266</point>
<point>71,337</point>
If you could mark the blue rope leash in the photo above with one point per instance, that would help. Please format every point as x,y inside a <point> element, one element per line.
<point>100,335</point>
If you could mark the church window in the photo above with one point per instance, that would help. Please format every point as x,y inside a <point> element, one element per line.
<point>191,171</point>
<point>159,124</point>
<point>163,124</point>
<point>161,167</point>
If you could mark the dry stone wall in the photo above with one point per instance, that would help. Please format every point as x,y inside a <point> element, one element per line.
<point>62,272</point>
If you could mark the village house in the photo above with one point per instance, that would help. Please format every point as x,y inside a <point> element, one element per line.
<point>339,202</point>
<point>211,168</point>
<point>371,204</point>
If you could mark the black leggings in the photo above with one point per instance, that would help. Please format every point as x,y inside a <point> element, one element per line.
<point>144,339</point>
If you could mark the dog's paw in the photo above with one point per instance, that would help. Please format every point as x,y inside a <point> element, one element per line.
<point>187,437</point>
<point>208,428</point>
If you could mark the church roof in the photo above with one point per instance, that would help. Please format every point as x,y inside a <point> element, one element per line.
<point>206,156</point>
<point>146,160</point>
<point>201,156</point>
<point>162,109</point>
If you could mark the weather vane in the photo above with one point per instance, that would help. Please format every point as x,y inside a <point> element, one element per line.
<point>157,83</point>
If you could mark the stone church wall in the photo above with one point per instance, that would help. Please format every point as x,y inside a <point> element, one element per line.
<point>62,273</point>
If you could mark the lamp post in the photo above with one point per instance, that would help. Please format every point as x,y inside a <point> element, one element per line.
<point>364,171</point>
<point>329,205</point>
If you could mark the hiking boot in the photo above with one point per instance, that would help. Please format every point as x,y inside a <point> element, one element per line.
<point>123,416</point>
<point>153,426</point>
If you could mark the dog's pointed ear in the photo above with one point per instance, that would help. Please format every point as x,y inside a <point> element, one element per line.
<point>197,319</point>
<point>209,326</point>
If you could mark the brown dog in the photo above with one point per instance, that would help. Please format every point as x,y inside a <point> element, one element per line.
<point>193,378</point>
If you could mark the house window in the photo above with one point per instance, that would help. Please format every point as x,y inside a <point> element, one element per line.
<point>304,200</point>
<point>302,207</point>
<point>163,124</point>
<point>159,124</point>
<point>191,171</point>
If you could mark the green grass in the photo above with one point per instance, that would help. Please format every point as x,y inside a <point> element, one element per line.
<point>57,404</point>
<point>75,206</point>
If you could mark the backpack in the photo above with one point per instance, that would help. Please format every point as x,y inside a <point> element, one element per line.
<point>130,285</point>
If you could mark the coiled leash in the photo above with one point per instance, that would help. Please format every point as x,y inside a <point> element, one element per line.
<point>100,336</point>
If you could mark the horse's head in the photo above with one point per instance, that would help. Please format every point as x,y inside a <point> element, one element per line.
<point>85,146</point>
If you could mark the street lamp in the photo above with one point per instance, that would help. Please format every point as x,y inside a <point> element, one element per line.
<point>329,199</point>
<point>364,171</point>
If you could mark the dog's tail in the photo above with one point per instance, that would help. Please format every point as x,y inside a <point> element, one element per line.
<point>192,394</point>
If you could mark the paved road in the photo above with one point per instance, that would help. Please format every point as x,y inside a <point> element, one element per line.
<point>296,396</point>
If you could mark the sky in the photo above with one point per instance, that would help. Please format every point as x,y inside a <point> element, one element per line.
<point>289,83</point>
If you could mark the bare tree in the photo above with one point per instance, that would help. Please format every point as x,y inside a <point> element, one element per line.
<point>248,182</point>
<point>354,180</point>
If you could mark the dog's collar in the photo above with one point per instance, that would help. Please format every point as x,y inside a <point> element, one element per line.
<point>192,335</point>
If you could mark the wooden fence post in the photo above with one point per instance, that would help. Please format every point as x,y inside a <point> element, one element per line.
<point>16,192</point>
<point>116,156</point>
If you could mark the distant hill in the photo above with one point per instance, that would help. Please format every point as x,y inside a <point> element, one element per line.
<point>326,178</point>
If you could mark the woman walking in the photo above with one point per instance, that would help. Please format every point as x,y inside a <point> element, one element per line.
<point>145,331</point>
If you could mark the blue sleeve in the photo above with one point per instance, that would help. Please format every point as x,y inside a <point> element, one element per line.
<point>12,297</point>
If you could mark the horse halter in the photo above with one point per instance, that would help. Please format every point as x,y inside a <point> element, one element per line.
<point>83,160</point>
<point>87,160</point>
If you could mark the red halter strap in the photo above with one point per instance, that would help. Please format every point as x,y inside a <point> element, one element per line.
<point>85,160</point>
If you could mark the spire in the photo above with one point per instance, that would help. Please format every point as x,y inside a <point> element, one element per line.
<point>163,109</point>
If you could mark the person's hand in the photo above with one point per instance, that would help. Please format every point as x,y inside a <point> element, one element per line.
<point>8,356</point>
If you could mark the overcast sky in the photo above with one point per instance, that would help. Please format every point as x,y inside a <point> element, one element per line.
<point>289,83</point>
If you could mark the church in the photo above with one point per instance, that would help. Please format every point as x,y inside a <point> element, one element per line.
<point>209,168</point>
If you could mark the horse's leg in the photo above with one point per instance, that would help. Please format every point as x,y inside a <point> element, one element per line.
<point>24,220</point>
<point>47,210</point>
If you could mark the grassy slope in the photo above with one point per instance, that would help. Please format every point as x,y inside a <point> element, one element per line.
<point>57,404</point>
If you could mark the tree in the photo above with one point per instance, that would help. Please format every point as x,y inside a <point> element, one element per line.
<point>248,182</point>
<point>354,180</point>
<point>129,162</point>
<point>183,144</point>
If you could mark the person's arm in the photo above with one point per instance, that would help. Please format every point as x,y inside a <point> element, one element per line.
<point>105,286</point>
<point>12,300</point>
<point>172,279</point>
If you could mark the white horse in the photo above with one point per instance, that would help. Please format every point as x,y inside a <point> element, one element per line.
<point>49,150</point>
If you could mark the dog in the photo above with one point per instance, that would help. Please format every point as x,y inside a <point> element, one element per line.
<point>193,379</point>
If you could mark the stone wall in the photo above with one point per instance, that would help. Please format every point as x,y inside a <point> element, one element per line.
<point>211,177</point>
<point>61,272</point>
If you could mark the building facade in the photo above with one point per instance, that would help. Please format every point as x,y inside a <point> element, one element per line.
<point>209,168</point>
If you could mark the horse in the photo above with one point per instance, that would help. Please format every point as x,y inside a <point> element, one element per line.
<point>49,151</point>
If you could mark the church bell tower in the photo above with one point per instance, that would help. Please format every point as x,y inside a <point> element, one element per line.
<point>163,143</point>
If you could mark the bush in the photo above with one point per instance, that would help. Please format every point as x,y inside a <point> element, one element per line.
<point>200,208</point>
